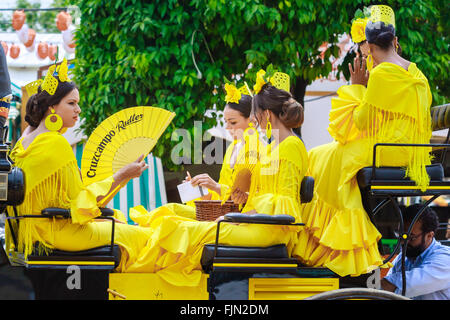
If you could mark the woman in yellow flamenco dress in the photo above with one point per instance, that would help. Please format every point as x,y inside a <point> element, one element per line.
<point>393,108</point>
<point>237,119</point>
<point>53,179</point>
<point>178,242</point>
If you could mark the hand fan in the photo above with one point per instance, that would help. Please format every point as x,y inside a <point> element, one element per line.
<point>246,162</point>
<point>121,139</point>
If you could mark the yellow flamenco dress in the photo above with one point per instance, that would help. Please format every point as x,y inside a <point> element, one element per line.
<point>177,242</point>
<point>52,179</point>
<point>233,153</point>
<point>394,108</point>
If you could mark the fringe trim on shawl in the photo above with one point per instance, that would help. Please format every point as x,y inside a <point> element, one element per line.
<point>384,127</point>
<point>50,192</point>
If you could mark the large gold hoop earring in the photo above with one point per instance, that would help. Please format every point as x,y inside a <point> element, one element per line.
<point>268,128</point>
<point>53,122</point>
<point>369,62</point>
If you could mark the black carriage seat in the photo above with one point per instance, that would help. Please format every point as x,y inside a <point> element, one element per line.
<point>102,254</point>
<point>276,256</point>
<point>98,254</point>
<point>386,184</point>
<point>243,254</point>
<point>237,258</point>
<point>396,177</point>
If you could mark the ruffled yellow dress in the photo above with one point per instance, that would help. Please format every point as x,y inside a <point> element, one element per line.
<point>232,154</point>
<point>394,108</point>
<point>177,242</point>
<point>53,179</point>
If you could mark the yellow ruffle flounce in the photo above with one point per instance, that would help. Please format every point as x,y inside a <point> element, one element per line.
<point>345,240</point>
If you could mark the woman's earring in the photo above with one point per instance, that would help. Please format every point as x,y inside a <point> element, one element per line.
<point>268,128</point>
<point>53,122</point>
<point>369,62</point>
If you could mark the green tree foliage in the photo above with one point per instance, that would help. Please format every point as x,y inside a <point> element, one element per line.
<point>136,52</point>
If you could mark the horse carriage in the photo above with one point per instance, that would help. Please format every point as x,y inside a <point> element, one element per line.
<point>230,272</point>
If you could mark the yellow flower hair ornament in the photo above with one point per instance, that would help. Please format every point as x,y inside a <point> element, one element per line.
<point>62,71</point>
<point>233,94</point>
<point>260,81</point>
<point>358,32</point>
<point>50,83</point>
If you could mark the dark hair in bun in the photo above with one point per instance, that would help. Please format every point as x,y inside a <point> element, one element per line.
<point>244,106</point>
<point>380,34</point>
<point>38,104</point>
<point>281,103</point>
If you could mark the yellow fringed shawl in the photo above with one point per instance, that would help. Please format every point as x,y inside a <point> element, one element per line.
<point>394,107</point>
<point>52,179</point>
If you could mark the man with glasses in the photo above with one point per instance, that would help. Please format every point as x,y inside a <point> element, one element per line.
<point>427,260</point>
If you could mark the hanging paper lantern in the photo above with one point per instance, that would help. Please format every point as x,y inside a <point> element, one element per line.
<point>18,19</point>
<point>68,49</point>
<point>5,47</point>
<point>14,51</point>
<point>63,21</point>
<point>52,51</point>
<point>68,35</point>
<point>22,34</point>
<point>32,48</point>
<point>42,50</point>
<point>31,37</point>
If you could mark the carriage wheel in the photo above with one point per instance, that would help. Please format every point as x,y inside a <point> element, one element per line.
<point>357,293</point>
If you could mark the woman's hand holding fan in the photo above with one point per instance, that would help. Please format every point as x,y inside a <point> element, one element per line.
<point>131,171</point>
<point>128,172</point>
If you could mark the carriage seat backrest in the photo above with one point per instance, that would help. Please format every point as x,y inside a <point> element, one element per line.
<point>307,189</point>
<point>440,117</point>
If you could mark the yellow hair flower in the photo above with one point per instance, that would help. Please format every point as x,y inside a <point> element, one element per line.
<point>62,70</point>
<point>259,81</point>
<point>233,93</point>
<point>358,32</point>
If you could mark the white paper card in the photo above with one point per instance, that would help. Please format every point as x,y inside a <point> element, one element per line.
<point>188,192</point>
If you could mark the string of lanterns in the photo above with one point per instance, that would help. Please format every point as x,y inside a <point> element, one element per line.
<point>27,37</point>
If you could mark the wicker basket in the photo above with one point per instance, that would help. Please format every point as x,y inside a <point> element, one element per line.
<point>210,210</point>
